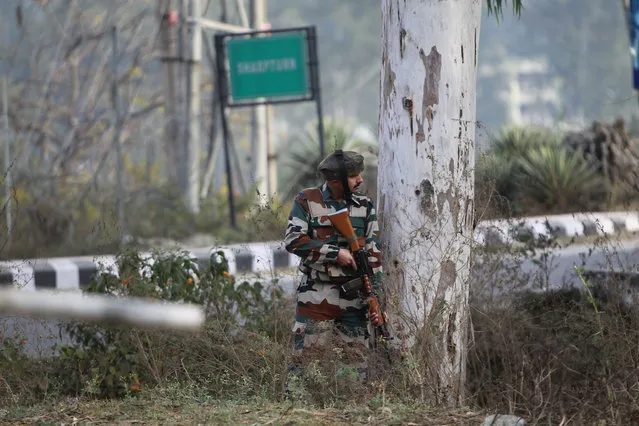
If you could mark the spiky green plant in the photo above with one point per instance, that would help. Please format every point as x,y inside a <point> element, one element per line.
<point>515,142</point>
<point>498,173</point>
<point>300,161</point>
<point>559,179</point>
<point>496,186</point>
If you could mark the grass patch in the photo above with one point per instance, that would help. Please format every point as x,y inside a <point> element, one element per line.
<point>160,406</point>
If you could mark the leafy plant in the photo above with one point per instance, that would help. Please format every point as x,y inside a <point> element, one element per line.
<point>303,157</point>
<point>515,142</point>
<point>559,179</point>
<point>113,361</point>
<point>496,186</point>
<point>529,171</point>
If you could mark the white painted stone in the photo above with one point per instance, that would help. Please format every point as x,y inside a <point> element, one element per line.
<point>503,420</point>
<point>23,273</point>
<point>603,223</point>
<point>67,275</point>
<point>262,257</point>
<point>107,263</point>
<point>631,219</point>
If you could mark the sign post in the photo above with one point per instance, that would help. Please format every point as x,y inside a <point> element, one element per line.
<point>272,67</point>
<point>266,67</point>
<point>633,24</point>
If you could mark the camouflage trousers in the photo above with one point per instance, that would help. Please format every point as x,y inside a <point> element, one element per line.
<point>326,321</point>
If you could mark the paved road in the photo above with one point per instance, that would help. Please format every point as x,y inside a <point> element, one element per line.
<point>550,271</point>
<point>620,256</point>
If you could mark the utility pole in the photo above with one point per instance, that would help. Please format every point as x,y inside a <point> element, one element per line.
<point>117,133</point>
<point>168,39</point>
<point>221,25</point>
<point>260,150</point>
<point>272,152</point>
<point>193,109</point>
<point>7,163</point>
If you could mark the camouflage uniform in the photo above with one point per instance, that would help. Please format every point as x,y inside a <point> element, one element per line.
<point>322,312</point>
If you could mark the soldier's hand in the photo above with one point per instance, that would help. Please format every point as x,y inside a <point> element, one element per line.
<point>375,319</point>
<point>345,258</point>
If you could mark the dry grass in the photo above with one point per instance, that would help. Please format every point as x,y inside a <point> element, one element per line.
<point>560,357</point>
<point>549,358</point>
<point>159,408</point>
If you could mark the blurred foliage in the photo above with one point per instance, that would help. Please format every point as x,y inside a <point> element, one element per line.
<point>299,163</point>
<point>560,180</point>
<point>515,142</point>
<point>116,361</point>
<point>76,222</point>
<point>585,46</point>
<point>528,171</point>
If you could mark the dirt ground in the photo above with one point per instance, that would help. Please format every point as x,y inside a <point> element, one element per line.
<point>142,410</point>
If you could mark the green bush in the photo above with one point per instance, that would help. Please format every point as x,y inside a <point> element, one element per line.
<point>560,180</point>
<point>528,171</point>
<point>299,165</point>
<point>496,187</point>
<point>114,361</point>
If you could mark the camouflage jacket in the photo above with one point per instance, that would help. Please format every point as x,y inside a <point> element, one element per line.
<point>311,236</point>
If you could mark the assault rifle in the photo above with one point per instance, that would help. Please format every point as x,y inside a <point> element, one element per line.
<point>342,223</point>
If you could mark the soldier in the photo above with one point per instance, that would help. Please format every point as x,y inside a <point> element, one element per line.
<point>323,312</point>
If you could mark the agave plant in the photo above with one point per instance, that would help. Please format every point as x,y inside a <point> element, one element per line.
<point>560,179</point>
<point>496,185</point>
<point>515,142</point>
<point>299,162</point>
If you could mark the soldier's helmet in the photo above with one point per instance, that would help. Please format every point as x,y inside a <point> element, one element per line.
<point>330,166</point>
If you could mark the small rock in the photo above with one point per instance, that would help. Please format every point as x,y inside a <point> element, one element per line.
<point>503,420</point>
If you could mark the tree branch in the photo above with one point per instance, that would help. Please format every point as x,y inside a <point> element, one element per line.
<point>146,110</point>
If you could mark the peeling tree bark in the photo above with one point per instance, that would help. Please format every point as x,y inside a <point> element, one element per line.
<point>425,194</point>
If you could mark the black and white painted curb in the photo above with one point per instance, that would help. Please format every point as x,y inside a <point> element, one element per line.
<point>491,232</point>
<point>74,273</point>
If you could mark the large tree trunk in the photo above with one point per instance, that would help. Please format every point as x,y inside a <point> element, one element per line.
<point>426,167</point>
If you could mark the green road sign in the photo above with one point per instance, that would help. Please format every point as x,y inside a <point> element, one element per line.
<point>268,67</point>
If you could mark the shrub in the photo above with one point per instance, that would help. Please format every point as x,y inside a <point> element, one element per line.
<point>551,356</point>
<point>299,166</point>
<point>496,188</point>
<point>113,361</point>
<point>528,171</point>
<point>560,180</point>
<point>514,142</point>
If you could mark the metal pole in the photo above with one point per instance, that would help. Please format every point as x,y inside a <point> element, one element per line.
<point>221,78</point>
<point>182,97</point>
<point>254,131</point>
<point>316,88</point>
<point>193,146</point>
<point>272,152</point>
<point>171,135</point>
<point>7,162</point>
<point>117,134</point>
<point>260,152</point>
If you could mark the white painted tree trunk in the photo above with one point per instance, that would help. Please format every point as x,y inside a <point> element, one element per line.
<point>426,187</point>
